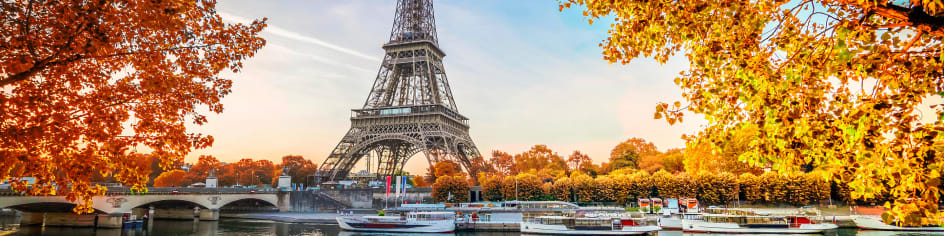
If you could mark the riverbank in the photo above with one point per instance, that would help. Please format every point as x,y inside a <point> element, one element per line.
<point>841,215</point>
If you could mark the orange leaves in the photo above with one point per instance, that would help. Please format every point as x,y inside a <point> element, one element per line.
<point>87,82</point>
<point>451,189</point>
<point>174,178</point>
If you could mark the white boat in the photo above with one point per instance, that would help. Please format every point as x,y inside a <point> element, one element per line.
<point>563,225</point>
<point>674,221</point>
<point>413,222</point>
<point>756,224</point>
<point>875,223</point>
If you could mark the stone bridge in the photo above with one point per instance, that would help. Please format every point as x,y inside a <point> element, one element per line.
<point>162,203</point>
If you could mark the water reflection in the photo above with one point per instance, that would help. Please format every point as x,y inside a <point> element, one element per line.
<point>893,233</point>
<point>264,227</point>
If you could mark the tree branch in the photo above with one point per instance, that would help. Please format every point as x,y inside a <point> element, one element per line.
<point>43,64</point>
<point>915,16</point>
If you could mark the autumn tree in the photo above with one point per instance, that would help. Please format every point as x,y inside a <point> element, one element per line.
<point>831,83</point>
<point>86,83</point>
<point>583,187</point>
<point>529,187</point>
<point>707,156</point>
<point>563,189</point>
<point>265,171</point>
<point>627,153</point>
<point>541,161</point>
<point>774,186</point>
<point>298,167</point>
<point>751,188</point>
<point>226,175</point>
<point>447,168</point>
<point>666,184</point>
<point>604,189</point>
<point>492,188</point>
<point>503,162</point>
<point>199,171</point>
<point>578,161</point>
<point>651,163</point>
<point>172,178</point>
<point>420,182</point>
<point>453,189</point>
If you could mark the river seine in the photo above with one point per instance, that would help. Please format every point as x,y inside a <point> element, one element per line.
<point>227,226</point>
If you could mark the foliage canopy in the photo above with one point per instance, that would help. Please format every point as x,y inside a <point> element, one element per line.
<point>85,83</point>
<point>834,84</point>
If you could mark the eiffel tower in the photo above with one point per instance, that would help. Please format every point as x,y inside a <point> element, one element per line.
<point>410,108</point>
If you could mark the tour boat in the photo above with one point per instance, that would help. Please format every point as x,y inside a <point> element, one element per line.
<point>687,210</point>
<point>756,224</point>
<point>563,225</point>
<point>674,221</point>
<point>412,222</point>
<point>875,223</point>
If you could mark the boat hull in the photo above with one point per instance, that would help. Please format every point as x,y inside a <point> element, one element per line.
<point>732,228</point>
<point>535,228</point>
<point>411,227</point>
<point>671,223</point>
<point>873,223</point>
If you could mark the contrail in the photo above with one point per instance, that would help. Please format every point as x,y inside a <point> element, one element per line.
<point>296,36</point>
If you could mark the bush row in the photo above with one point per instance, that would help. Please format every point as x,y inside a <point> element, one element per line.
<point>709,188</point>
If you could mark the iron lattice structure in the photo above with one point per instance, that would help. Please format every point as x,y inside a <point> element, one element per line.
<point>410,108</point>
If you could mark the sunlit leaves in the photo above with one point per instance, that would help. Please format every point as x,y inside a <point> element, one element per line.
<point>87,86</point>
<point>829,84</point>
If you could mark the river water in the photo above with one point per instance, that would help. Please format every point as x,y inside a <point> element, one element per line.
<point>228,226</point>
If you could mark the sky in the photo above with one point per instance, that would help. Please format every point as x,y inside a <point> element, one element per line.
<point>521,71</point>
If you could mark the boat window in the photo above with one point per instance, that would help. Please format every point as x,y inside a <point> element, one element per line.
<point>551,221</point>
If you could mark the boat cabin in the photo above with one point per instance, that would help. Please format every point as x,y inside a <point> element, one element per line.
<point>762,221</point>
<point>581,223</point>
<point>431,216</point>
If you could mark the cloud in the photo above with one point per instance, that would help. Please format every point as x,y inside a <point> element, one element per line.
<point>299,37</point>
<point>317,58</point>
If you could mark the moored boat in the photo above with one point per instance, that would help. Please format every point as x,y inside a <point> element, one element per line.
<point>875,223</point>
<point>757,224</point>
<point>412,222</point>
<point>674,221</point>
<point>563,225</point>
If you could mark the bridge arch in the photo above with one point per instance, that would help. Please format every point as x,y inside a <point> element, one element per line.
<point>272,202</point>
<point>160,204</point>
<point>52,207</point>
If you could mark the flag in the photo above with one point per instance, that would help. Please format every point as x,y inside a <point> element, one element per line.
<point>397,187</point>
<point>404,186</point>
<point>388,187</point>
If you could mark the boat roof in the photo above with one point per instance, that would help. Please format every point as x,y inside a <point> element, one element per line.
<point>432,213</point>
<point>382,217</point>
<point>562,203</point>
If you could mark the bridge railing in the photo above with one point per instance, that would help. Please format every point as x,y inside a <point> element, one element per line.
<point>113,191</point>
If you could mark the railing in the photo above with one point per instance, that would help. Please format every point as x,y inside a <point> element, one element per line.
<point>113,191</point>
<point>404,110</point>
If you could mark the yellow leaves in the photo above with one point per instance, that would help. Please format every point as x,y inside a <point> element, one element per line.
<point>837,94</point>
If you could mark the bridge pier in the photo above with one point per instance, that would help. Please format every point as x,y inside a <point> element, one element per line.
<point>111,221</point>
<point>69,219</point>
<point>32,218</point>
